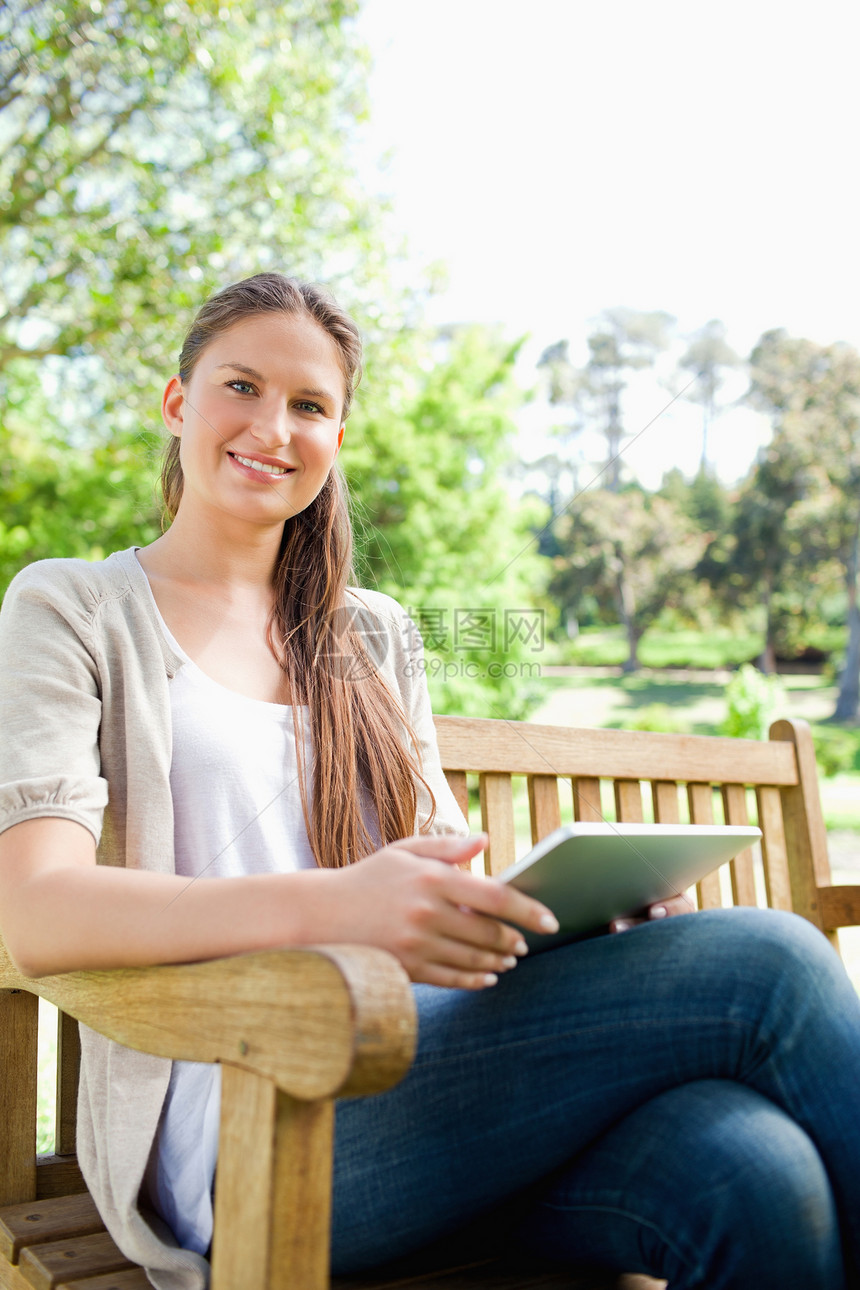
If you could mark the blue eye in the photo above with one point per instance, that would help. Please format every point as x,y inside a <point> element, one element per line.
<point>313,407</point>
<point>243,387</point>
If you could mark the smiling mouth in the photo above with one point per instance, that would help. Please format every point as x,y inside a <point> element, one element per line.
<point>262,467</point>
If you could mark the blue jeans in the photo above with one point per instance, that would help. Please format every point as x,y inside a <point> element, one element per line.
<point>682,1099</point>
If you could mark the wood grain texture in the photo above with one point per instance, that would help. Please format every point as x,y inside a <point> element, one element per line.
<point>132,1279</point>
<point>664,794</point>
<point>19,1039</point>
<point>11,1278</point>
<point>459,787</point>
<point>243,1197</point>
<point>544,810</point>
<point>524,748</point>
<point>805,835</point>
<point>628,801</point>
<point>839,906</point>
<point>741,867</point>
<point>68,1070</point>
<point>58,1176</point>
<point>271,1221</point>
<point>497,819</point>
<point>302,1194</point>
<point>700,799</point>
<point>773,848</point>
<point>586,800</point>
<point>47,1266</point>
<point>37,1222</point>
<point>287,1014</point>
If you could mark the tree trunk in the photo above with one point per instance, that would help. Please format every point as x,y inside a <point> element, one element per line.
<point>767,658</point>
<point>849,680</point>
<point>627,614</point>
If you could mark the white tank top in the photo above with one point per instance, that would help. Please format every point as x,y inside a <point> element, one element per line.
<point>237,810</point>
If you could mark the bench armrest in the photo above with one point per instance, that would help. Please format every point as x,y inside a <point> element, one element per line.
<point>320,1022</point>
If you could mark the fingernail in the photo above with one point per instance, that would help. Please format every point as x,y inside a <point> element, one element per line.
<point>621,925</point>
<point>521,948</point>
<point>510,961</point>
<point>490,978</point>
<point>658,911</point>
<point>548,923</point>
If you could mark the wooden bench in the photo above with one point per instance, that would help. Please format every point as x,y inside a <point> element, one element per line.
<point>293,1029</point>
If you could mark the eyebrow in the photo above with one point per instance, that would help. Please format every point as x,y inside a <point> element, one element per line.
<point>240,367</point>
<point>322,395</point>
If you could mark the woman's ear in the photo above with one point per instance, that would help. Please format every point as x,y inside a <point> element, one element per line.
<point>172,406</point>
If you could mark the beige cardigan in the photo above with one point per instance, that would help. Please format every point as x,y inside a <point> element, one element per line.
<point>86,736</point>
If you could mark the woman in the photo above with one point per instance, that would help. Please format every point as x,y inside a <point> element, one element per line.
<point>219,705</point>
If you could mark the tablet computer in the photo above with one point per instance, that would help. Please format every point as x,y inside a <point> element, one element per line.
<point>590,874</point>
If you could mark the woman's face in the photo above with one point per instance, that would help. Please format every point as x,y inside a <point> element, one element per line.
<point>260,418</point>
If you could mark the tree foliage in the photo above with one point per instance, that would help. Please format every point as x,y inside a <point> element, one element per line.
<point>708,356</point>
<point>437,525</point>
<point>622,341</point>
<point>632,551</point>
<point>150,151</point>
<point>812,392</point>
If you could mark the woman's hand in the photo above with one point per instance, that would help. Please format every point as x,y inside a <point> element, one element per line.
<point>446,926</point>
<point>663,909</point>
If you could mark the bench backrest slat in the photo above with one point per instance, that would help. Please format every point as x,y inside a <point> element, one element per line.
<point>636,775</point>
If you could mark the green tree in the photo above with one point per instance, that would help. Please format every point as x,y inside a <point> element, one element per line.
<point>632,551</point>
<point>707,356</point>
<point>710,506</point>
<point>437,525</point>
<point>153,150</point>
<point>623,341</point>
<point>150,151</point>
<point>116,219</point>
<point>812,392</point>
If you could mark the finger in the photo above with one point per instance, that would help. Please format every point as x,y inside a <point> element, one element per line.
<point>452,978</point>
<point>462,957</point>
<point>500,901</point>
<point>625,924</point>
<point>669,908</point>
<point>444,846</point>
<point>491,935</point>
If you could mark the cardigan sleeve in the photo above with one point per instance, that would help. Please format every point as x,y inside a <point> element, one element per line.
<point>50,704</point>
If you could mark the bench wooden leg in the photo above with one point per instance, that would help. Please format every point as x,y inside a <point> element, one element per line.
<point>19,1028</point>
<point>271,1221</point>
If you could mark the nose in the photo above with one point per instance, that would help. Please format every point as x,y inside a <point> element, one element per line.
<point>271,425</point>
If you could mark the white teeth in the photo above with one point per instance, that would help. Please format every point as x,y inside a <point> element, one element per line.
<point>263,467</point>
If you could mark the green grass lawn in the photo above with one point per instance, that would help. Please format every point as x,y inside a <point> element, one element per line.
<point>677,646</point>
<point>607,646</point>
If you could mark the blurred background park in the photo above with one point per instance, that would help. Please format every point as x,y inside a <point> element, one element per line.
<point>607,446</point>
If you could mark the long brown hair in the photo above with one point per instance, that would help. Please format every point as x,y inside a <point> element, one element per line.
<point>366,759</point>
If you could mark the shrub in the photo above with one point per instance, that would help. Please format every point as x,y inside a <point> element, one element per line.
<point>657,717</point>
<point>834,751</point>
<point>753,699</point>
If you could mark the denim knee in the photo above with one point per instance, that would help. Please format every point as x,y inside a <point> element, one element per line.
<point>783,947</point>
<point>770,1217</point>
<point>708,1185</point>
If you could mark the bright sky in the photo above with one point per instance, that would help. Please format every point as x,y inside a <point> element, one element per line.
<point>562,156</point>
